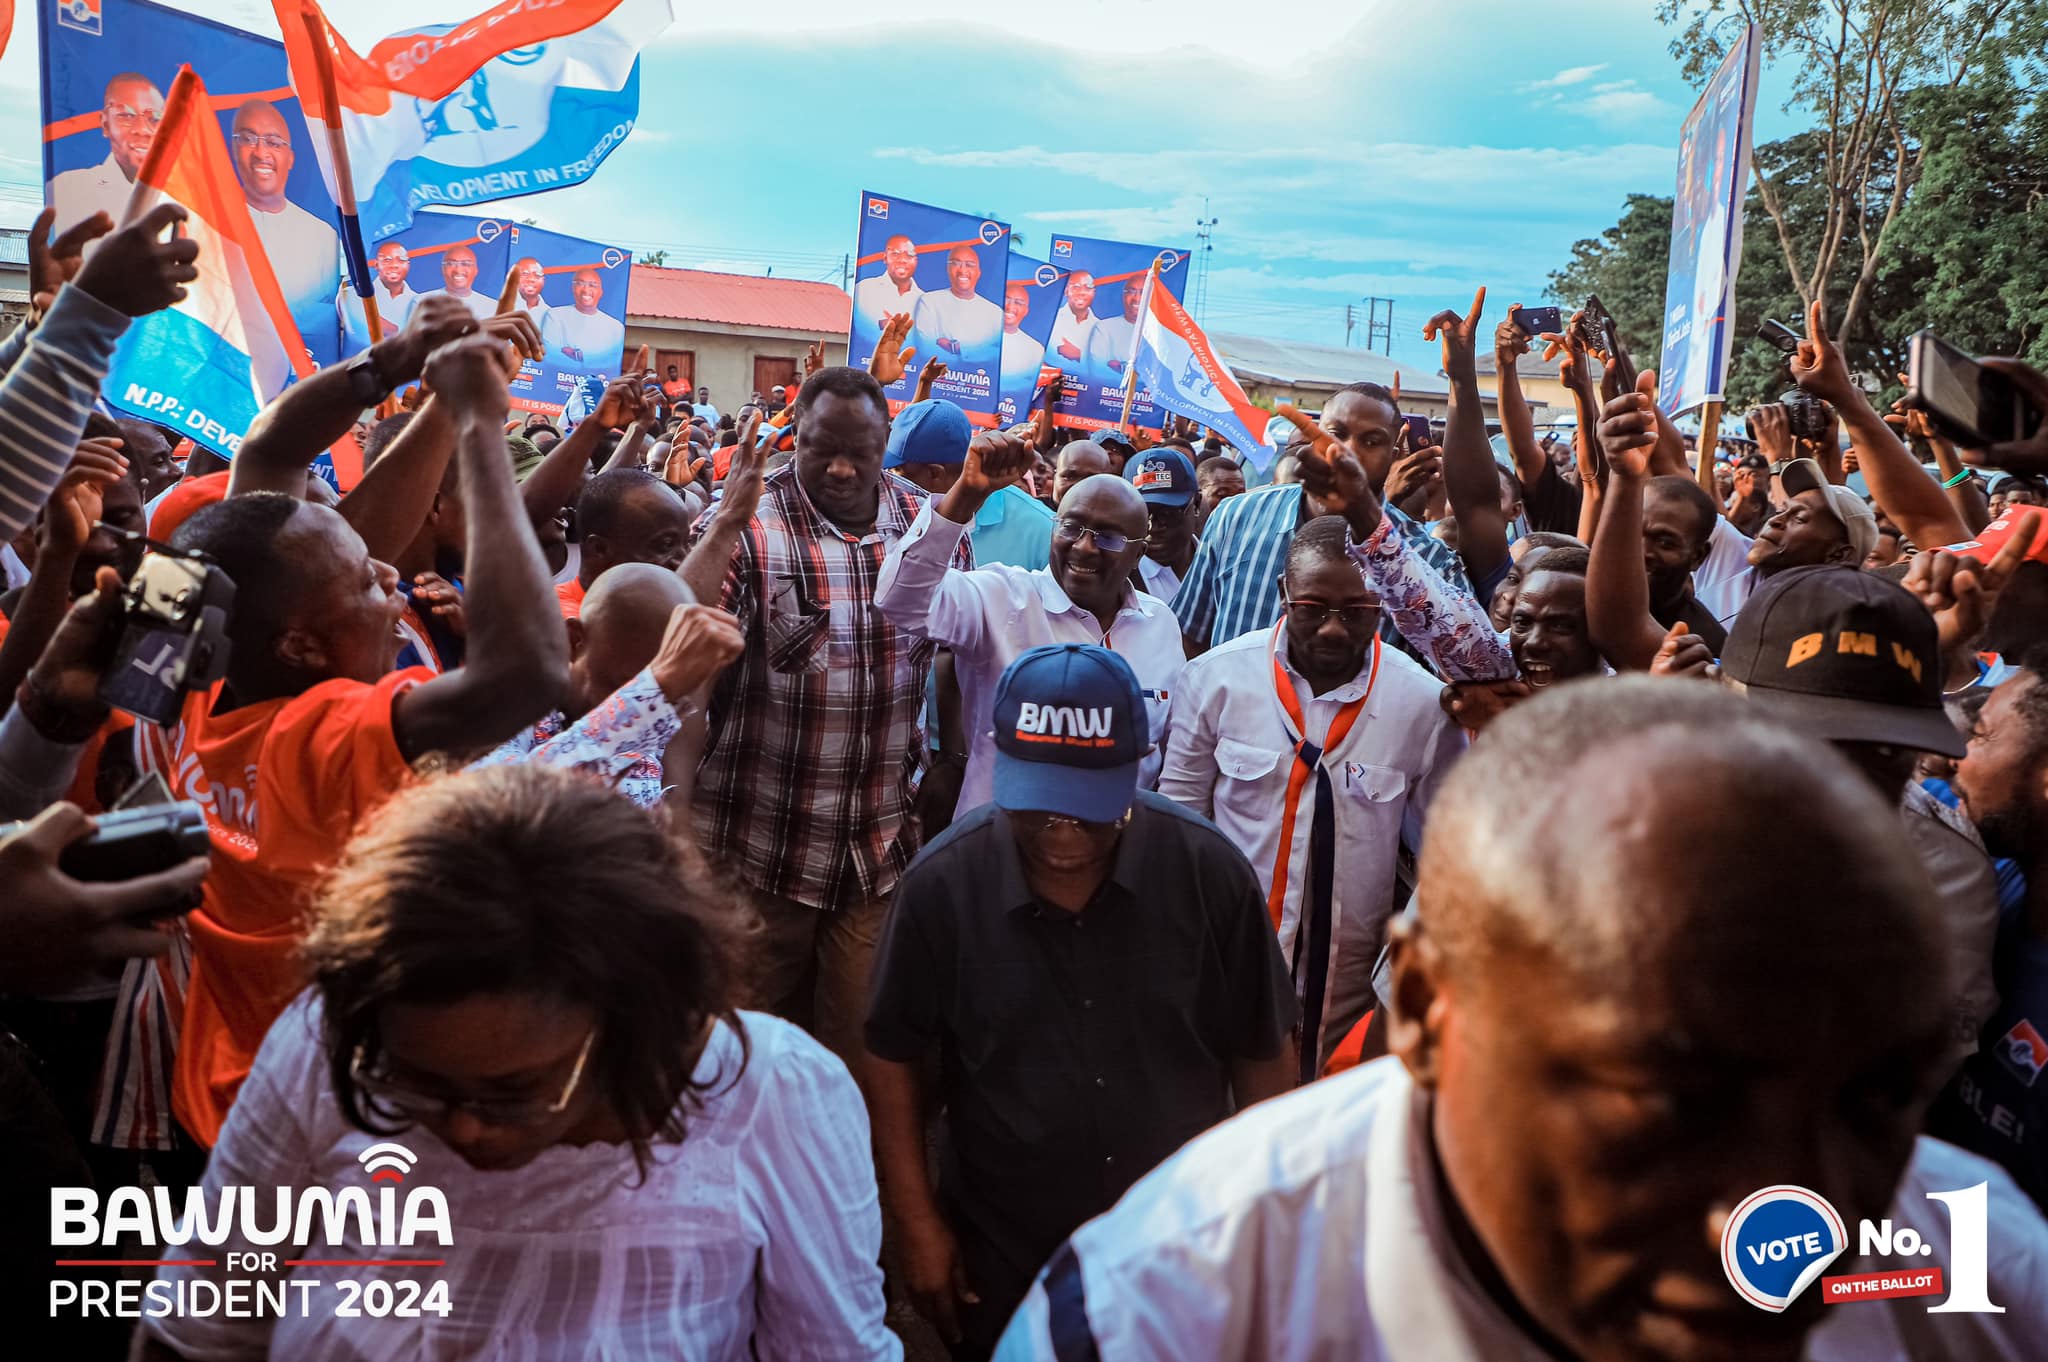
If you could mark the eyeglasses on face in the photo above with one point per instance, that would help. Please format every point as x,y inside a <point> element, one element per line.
<point>410,1104</point>
<point>1315,614</point>
<point>1069,531</point>
<point>269,141</point>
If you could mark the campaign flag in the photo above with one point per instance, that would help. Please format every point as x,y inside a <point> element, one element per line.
<point>575,291</point>
<point>947,270</point>
<point>1095,327</point>
<point>1179,370</point>
<point>464,258</point>
<point>520,99</point>
<point>207,365</point>
<point>105,66</point>
<point>1706,233</point>
<point>1030,298</point>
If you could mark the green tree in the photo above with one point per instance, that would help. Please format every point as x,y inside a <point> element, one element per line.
<point>654,257</point>
<point>1626,265</point>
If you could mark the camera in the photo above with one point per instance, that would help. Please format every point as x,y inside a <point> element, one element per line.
<point>1805,416</point>
<point>173,636</point>
<point>129,843</point>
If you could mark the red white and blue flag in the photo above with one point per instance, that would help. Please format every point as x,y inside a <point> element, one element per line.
<point>207,365</point>
<point>1174,365</point>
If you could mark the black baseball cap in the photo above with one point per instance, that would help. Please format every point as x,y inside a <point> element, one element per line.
<point>1845,655</point>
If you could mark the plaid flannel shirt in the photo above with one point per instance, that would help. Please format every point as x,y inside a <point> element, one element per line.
<point>815,744</point>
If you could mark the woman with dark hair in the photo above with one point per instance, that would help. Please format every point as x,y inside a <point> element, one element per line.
<point>516,976</point>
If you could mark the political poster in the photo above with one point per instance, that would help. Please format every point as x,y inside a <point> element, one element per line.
<point>947,270</point>
<point>1095,328</point>
<point>1706,233</point>
<point>440,254</point>
<point>1030,298</point>
<point>105,67</point>
<point>575,290</point>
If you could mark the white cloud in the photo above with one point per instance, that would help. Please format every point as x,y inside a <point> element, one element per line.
<point>1571,75</point>
<point>1618,106</point>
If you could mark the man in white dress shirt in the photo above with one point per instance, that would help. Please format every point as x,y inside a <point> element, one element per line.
<point>531,279</point>
<point>395,296</point>
<point>304,252</point>
<point>458,281</point>
<point>892,292</point>
<point>128,118</point>
<point>1067,346</point>
<point>1364,723</point>
<point>1022,356</point>
<point>1109,347</point>
<point>959,325</point>
<point>1605,1035</point>
<point>581,339</point>
<point>991,614</point>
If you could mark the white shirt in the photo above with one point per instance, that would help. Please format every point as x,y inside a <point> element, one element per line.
<point>1160,580</point>
<point>705,410</point>
<point>1724,581</point>
<point>583,342</point>
<point>877,295</point>
<point>763,1224</point>
<point>305,253</point>
<point>480,307</point>
<point>1308,1229</point>
<point>990,615</point>
<point>1068,330</point>
<point>538,311</point>
<point>1230,752</point>
<point>78,194</point>
<point>975,323</point>
<point>394,308</point>
<point>1110,341</point>
<point>1022,359</point>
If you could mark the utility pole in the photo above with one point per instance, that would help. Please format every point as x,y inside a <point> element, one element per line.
<point>1375,328</point>
<point>1350,320</point>
<point>1204,229</point>
<point>846,273</point>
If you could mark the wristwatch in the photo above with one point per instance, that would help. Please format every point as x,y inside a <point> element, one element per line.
<point>365,381</point>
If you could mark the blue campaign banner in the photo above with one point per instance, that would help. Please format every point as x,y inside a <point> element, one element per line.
<point>1706,233</point>
<point>105,68</point>
<point>576,291</point>
<point>948,271</point>
<point>1030,298</point>
<point>441,253</point>
<point>1095,327</point>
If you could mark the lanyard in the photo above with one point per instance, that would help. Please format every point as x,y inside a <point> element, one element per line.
<point>1307,757</point>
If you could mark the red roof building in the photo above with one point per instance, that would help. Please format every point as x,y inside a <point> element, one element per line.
<point>736,334</point>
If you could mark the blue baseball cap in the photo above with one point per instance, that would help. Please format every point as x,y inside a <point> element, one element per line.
<point>931,431</point>
<point>1070,729</point>
<point>1164,475</point>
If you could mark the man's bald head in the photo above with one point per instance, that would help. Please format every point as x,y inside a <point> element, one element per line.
<point>1081,459</point>
<point>619,629</point>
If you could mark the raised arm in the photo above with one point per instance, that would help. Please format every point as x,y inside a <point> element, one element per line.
<point>557,479</point>
<point>916,587</point>
<point>1617,589</point>
<point>516,662</point>
<point>1898,484</point>
<point>710,558</point>
<point>1469,477</point>
<point>1510,343</point>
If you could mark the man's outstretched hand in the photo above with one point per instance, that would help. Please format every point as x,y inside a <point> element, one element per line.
<point>892,357</point>
<point>138,270</point>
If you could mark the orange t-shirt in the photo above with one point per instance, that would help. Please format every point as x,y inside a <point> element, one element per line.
<point>284,783</point>
<point>570,594</point>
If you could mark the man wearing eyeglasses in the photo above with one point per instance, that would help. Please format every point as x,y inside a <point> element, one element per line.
<point>1093,966</point>
<point>989,615</point>
<point>304,251</point>
<point>1316,749</point>
<point>128,117</point>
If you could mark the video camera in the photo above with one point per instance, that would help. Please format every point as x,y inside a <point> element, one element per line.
<point>173,636</point>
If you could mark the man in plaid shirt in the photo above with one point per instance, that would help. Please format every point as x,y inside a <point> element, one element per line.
<point>815,747</point>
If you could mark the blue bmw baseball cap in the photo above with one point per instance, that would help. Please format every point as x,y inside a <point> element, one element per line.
<point>1070,730</point>
<point>1163,475</point>
<point>931,431</point>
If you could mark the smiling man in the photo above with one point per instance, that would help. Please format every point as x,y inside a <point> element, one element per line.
<point>989,616</point>
<point>1547,630</point>
<point>582,339</point>
<point>1109,347</point>
<point>304,251</point>
<point>458,281</point>
<point>395,295</point>
<point>959,325</point>
<point>1516,1192</point>
<point>1067,346</point>
<point>129,114</point>
<point>893,292</point>
<point>532,278</point>
<point>1022,356</point>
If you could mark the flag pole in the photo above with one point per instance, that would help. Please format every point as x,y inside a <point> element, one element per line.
<point>344,177</point>
<point>143,194</point>
<point>1710,431</point>
<point>1123,421</point>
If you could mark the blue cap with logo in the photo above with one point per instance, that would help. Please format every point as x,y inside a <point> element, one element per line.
<point>1164,475</point>
<point>1071,729</point>
<point>931,431</point>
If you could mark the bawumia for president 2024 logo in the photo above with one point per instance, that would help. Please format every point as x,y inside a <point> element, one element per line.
<point>1778,1242</point>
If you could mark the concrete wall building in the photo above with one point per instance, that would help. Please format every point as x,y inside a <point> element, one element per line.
<point>735,334</point>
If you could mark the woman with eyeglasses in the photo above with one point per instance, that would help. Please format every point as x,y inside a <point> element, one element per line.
<point>517,979</point>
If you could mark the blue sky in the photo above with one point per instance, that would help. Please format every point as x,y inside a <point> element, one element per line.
<point>1405,150</point>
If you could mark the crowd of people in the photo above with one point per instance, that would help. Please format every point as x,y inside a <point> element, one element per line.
<point>813,879</point>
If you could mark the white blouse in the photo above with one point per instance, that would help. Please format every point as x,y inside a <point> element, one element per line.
<point>763,1225</point>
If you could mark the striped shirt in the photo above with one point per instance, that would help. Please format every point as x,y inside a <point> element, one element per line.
<point>1233,587</point>
<point>53,376</point>
<point>815,744</point>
